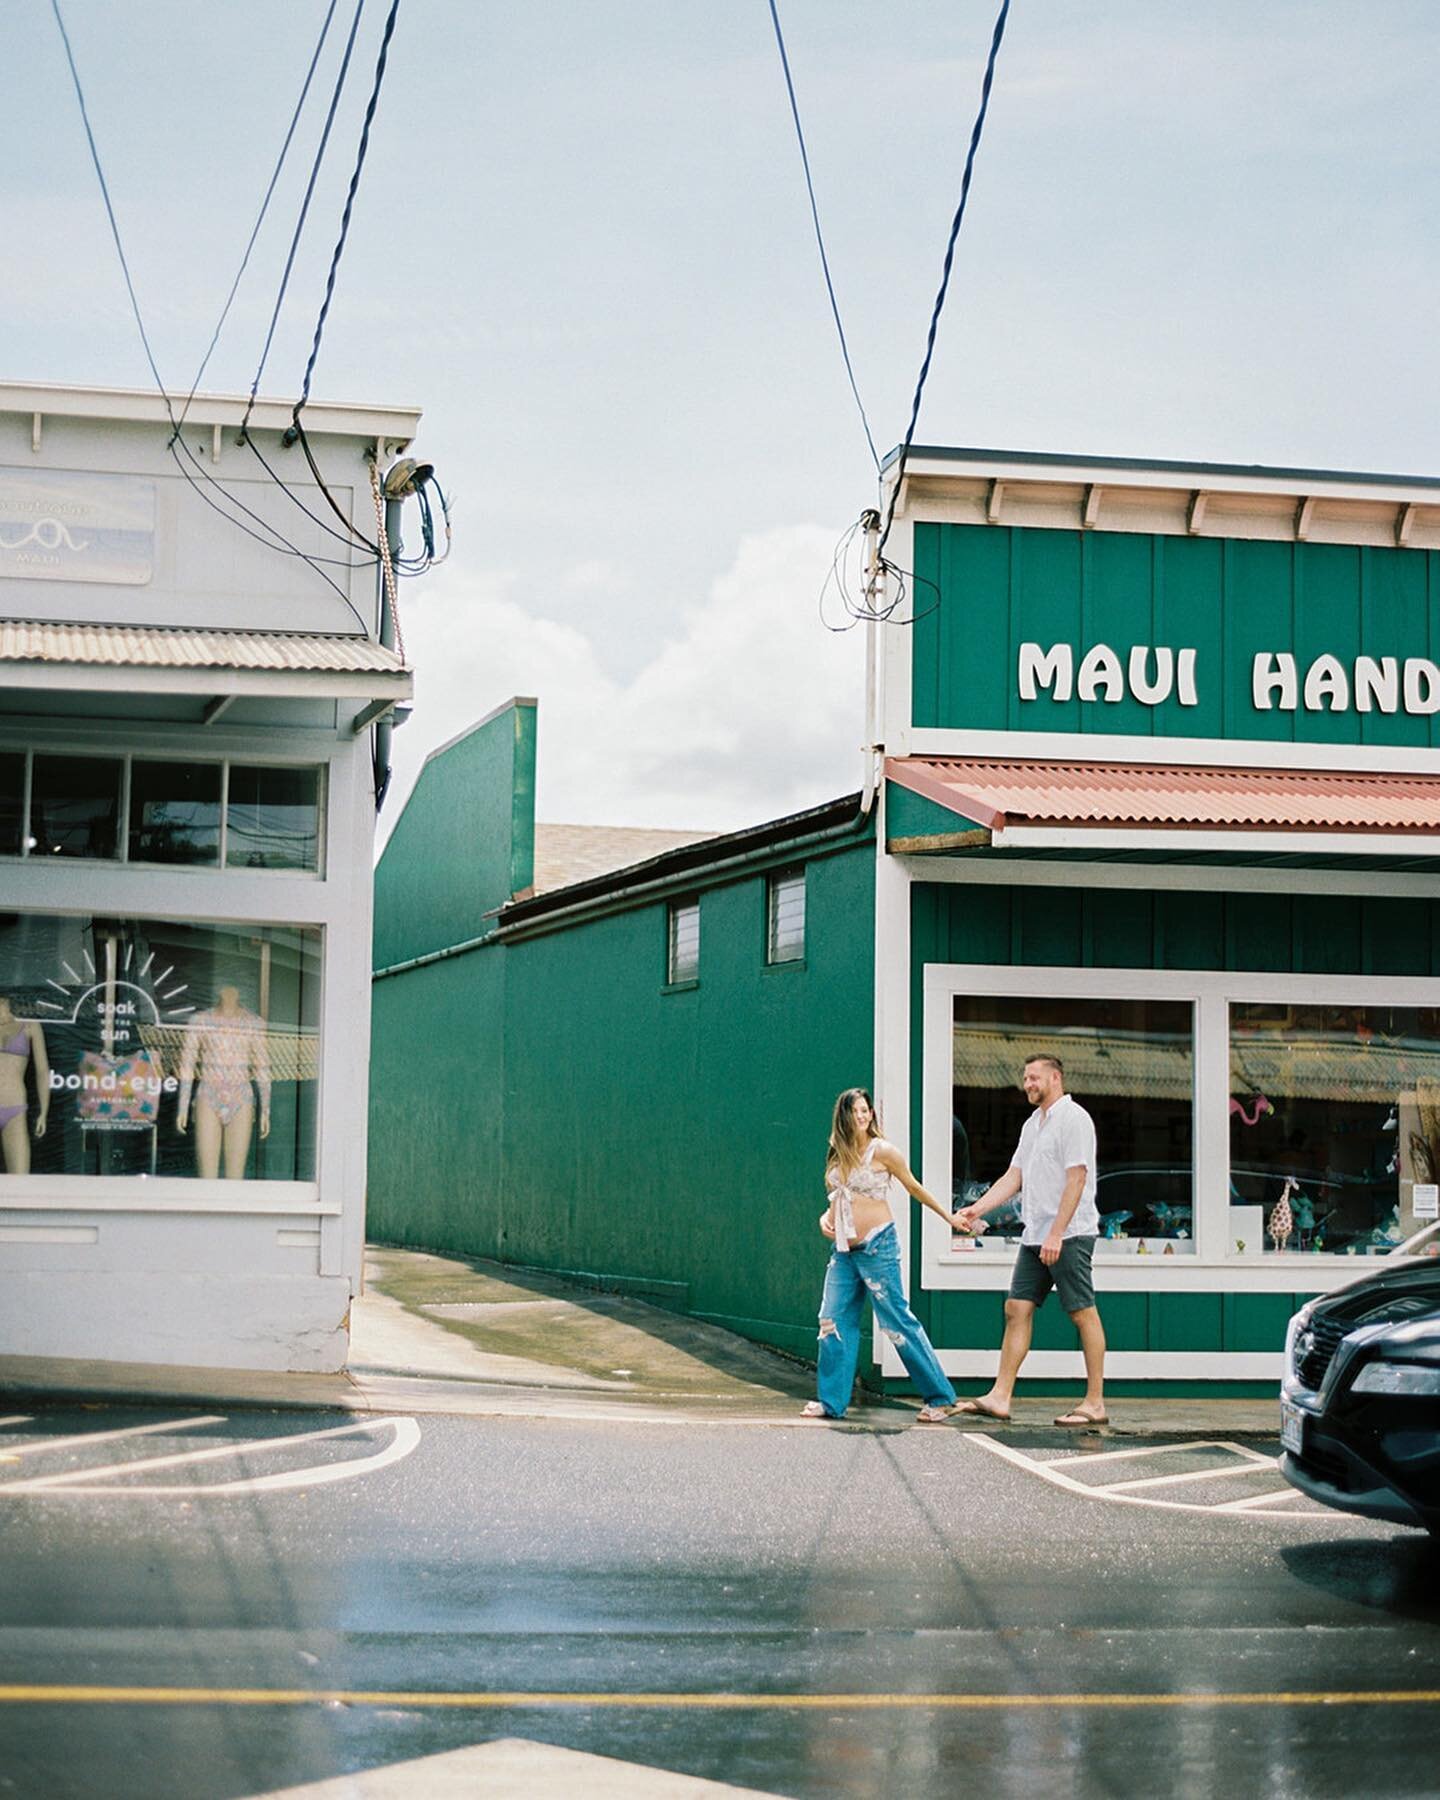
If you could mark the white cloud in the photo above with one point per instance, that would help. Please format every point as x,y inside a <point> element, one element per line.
<point>747,709</point>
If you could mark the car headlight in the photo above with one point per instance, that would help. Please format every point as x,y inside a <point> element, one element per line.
<point>1397,1378</point>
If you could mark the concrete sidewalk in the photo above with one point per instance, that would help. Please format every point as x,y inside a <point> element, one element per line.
<point>435,1334</point>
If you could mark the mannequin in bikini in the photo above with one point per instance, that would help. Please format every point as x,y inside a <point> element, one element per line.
<point>227,1044</point>
<point>20,1039</point>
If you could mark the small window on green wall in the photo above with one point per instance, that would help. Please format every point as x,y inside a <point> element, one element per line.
<point>682,957</point>
<point>785,917</point>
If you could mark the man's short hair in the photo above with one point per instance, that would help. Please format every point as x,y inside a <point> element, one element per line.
<point>1044,1056</point>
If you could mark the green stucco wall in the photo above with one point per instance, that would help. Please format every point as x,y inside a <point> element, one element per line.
<point>465,841</point>
<point>1109,928</point>
<point>548,1102</point>
<point>1228,599</point>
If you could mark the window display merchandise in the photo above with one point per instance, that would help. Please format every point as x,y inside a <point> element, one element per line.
<point>153,1047</point>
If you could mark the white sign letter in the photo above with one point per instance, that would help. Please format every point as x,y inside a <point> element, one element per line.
<point>1186,677</point>
<point>1327,687</point>
<point>1269,672</point>
<point>1422,685</point>
<point>1057,670</point>
<point>1377,683</point>
<point>1100,669</point>
<point>1151,694</point>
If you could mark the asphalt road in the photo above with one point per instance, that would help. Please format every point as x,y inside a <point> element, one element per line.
<point>715,1596</point>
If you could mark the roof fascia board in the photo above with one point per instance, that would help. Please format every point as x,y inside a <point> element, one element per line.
<point>278,684</point>
<point>146,406</point>
<point>1217,753</point>
<point>1141,472</point>
<point>1197,841</point>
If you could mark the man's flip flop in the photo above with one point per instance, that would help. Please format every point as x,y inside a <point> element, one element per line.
<point>1078,1419</point>
<point>975,1408</point>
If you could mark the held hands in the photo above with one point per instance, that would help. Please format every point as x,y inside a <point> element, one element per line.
<point>968,1220</point>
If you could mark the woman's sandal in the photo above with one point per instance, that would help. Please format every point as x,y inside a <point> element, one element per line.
<point>812,1409</point>
<point>933,1415</point>
<point>978,1410</point>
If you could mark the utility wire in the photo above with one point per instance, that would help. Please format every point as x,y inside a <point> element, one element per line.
<point>819,236</point>
<point>264,208</point>
<point>109,209</point>
<point>979,126</point>
<point>349,203</point>
<point>304,209</point>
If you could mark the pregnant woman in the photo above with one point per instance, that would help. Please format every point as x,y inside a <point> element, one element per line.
<point>866,1263</point>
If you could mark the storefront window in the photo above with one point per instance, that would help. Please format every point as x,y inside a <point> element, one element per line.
<point>154,1047</point>
<point>175,812</point>
<point>273,819</point>
<point>12,801</point>
<point>1130,1063</point>
<point>1334,1126</point>
<point>75,805</point>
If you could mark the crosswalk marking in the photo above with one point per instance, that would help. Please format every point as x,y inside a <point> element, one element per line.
<point>106,1437</point>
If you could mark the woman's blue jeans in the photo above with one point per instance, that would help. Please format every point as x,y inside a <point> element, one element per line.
<point>872,1271</point>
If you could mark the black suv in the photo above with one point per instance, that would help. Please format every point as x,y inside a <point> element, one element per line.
<point>1360,1403</point>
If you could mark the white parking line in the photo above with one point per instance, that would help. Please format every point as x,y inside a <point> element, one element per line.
<point>107,1437</point>
<point>16,1419</point>
<point>405,1435</point>
<point>1055,1474</point>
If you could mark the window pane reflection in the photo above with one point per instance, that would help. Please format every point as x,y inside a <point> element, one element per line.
<point>273,818</point>
<point>75,805</point>
<point>1334,1124</point>
<point>175,812</point>
<point>1130,1064</point>
<point>12,801</point>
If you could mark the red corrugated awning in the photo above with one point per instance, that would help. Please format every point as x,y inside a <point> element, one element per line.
<point>999,794</point>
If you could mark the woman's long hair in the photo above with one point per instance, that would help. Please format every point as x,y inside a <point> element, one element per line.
<point>847,1143</point>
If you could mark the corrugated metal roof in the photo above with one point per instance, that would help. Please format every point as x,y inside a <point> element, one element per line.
<point>997,794</point>
<point>570,853</point>
<point>155,647</point>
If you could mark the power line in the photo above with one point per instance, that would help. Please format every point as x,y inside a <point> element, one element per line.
<point>819,236</point>
<point>264,208</point>
<point>304,209</point>
<point>389,32</point>
<point>978,127</point>
<point>109,209</point>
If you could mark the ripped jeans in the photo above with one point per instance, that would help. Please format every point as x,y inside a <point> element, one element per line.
<point>872,1270</point>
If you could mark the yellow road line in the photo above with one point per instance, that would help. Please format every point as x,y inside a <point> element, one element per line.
<point>35,1694</point>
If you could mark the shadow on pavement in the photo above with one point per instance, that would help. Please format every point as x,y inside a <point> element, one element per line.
<point>1399,1575</point>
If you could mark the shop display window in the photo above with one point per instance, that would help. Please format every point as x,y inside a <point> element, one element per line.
<point>272,818</point>
<point>175,812</point>
<point>1130,1064</point>
<point>75,805</point>
<point>150,1047</point>
<point>1334,1127</point>
<point>12,801</point>
<point>192,814</point>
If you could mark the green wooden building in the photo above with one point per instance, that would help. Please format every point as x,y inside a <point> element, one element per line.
<point>1153,782</point>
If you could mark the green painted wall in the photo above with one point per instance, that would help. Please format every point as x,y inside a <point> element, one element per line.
<point>1107,928</point>
<point>549,1102</point>
<point>1226,598</point>
<point>465,841</point>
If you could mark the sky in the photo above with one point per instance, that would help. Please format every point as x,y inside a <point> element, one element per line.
<point>582,244</point>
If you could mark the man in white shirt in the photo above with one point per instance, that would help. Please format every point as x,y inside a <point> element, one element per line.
<point>1053,1171</point>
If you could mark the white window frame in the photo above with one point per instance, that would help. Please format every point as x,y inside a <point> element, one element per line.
<point>673,909</point>
<point>773,884</point>
<point>1210,1268</point>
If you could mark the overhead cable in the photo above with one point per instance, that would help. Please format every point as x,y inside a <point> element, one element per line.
<point>282,543</point>
<point>264,208</point>
<point>304,209</point>
<point>819,236</point>
<point>977,129</point>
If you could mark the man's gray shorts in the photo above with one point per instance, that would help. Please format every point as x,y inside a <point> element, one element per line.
<point>1070,1275</point>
